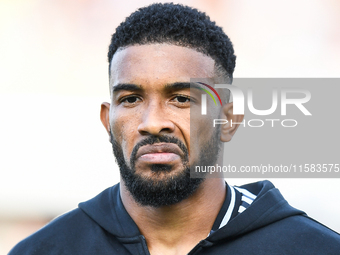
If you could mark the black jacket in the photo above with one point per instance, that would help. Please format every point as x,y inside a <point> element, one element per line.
<point>102,226</point>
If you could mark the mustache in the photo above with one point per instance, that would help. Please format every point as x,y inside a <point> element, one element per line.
<point>152,139</point>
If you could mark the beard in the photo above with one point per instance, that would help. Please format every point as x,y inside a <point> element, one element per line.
<point>171,189</point>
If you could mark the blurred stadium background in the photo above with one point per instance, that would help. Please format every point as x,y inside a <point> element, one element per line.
<point>53,78</point>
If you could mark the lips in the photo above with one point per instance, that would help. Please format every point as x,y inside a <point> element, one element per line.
<point>159,153</point>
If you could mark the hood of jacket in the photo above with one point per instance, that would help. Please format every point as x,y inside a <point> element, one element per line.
<point>107,210</point>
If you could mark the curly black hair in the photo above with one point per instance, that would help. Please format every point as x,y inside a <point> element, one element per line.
<point>179,25</point>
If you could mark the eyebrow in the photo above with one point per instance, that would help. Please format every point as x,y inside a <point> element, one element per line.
<point>169,86</point>
<point>182,85</point>
<point>126,86</point>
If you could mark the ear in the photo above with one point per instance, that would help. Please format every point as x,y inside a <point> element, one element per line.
<point>228,130</point>
<point>105,116</point>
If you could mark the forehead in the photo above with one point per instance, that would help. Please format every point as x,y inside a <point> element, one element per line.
<point>159,63</point>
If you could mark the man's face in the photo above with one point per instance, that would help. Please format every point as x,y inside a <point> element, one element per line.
<point>150,120</point>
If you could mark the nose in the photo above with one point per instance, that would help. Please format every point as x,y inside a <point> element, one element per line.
<point>155,121</point>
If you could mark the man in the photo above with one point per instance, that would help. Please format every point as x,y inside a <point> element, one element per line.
<point>157,208</point>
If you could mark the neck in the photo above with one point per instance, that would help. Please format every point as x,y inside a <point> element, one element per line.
<point>178,228</point>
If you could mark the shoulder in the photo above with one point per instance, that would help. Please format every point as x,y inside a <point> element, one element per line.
<point>274,227</point>
<point>300,233</point>
<point>93,228</point>
<point>68,230</point>
<point>310,229</point>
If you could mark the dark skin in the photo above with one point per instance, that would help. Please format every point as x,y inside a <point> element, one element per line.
<point>146,101</point>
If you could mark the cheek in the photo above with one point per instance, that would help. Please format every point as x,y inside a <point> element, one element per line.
<point>124,129</point>
<point>181,120</point>
<point>201,131</point>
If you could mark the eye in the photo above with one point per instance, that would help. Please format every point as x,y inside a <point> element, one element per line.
<point>130,100</point>
<point>182,99</point>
